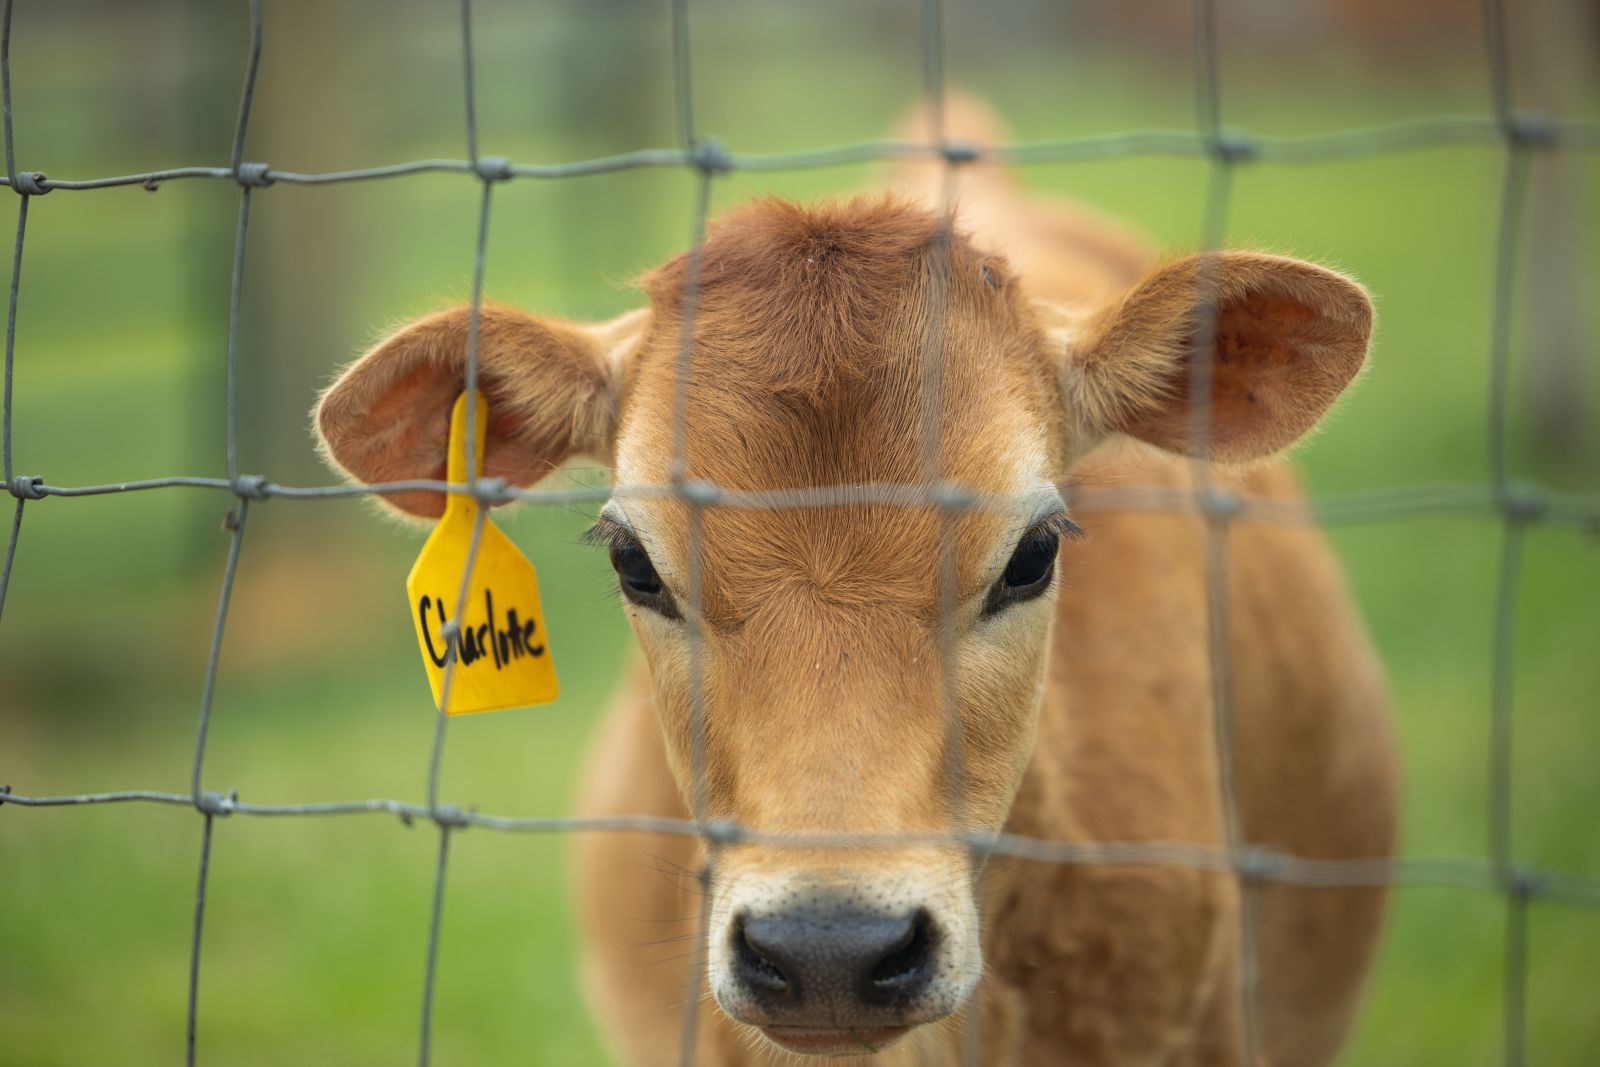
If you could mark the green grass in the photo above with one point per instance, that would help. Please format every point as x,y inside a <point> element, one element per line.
<point>316,928</point>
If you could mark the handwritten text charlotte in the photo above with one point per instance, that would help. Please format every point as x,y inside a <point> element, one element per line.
<point>502,645</point>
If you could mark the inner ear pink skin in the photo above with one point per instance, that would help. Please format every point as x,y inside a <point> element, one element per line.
<point>1287,338</point>
<point>1269,382</point>
<point>547,382</point>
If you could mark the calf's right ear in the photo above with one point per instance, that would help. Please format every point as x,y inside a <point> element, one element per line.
<point>551,387</point>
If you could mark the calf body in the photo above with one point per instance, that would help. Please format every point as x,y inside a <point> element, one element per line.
<point>878,666</point>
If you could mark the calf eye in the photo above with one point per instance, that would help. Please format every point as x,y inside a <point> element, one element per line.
<point>636,575</point>
<point>1032,565</point>
<point>638,578</point>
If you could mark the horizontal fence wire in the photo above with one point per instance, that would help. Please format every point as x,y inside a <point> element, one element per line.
<point>1256,862</point>
<point>1361,142</point>
<point>1518,506</point>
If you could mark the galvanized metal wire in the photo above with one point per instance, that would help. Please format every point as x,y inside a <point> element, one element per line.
<point>1517,506</point>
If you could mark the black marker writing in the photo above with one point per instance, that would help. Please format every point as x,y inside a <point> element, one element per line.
<point>502,645</point>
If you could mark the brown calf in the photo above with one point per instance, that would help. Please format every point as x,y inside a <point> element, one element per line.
<point>1078,663</point>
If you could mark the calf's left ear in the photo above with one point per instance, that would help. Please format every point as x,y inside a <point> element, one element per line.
<point>1288,337</point>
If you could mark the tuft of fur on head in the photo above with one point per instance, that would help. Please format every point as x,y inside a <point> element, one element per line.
<point>821,286</point>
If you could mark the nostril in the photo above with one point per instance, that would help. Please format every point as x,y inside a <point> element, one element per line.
<point>906,964</point>
<point>755,967</point>
<point>830,959</point>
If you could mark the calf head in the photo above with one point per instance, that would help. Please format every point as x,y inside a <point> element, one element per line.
<point>871,666</point>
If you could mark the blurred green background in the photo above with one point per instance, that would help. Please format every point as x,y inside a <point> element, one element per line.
<point>315,932</point>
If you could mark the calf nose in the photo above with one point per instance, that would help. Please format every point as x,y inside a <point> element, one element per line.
<point>833,958</point>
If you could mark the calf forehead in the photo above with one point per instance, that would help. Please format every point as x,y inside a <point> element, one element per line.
<point>811,336</point>
<point>814,336</point>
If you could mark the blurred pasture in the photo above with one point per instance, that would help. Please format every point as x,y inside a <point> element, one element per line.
<point>316,928</point>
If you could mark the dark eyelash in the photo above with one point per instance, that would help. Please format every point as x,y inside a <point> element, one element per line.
<point>609,533</point>
<point>1058,525</point>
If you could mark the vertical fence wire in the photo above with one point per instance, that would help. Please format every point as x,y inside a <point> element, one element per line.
<point>707,159</point>
<point>1515,993</point>
<point>5,92</point>
<point>16,486</point>
<point>11,552</point>
<point>1517,511</point>
<point>11,311</point>
<point>948,503</point>
<point>232,380</point>
<point>192,1011</point>
<point>694,619</point>
<point>1219,510</point>
<point>211,805</point>
<point>682,76</point>
<point>430,966</point>
<point>445,818</point>
<point>1517,507</point>
<point>246,178</point>
<point>21,229</point>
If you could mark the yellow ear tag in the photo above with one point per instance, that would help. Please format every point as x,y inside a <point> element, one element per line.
<point>504,651</point>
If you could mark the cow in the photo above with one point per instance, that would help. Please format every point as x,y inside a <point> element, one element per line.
<point>897,672</point>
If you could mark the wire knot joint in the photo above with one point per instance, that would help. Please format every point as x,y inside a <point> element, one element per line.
<point>1256,865</point>
<point>1531,129</point>
<point>29,183</point>
<point>448,816</point>
<point>1523,884</point>
<point>709,157</point>
<point>253,175</point>
<point>953,497</point>
<point>697,492</point>
<point>960,151</point>
<point>250,486</point>
<point>981,842</point>
<point>491,491</point>
<point>1521,503</point>
<point>212,803</point>
<point>1221,505</point>
<point>1233,146</point>
<point>27,487</point>
<point>493,168</point>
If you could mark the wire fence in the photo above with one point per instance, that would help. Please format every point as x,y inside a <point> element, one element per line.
<point>1517,506</point>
